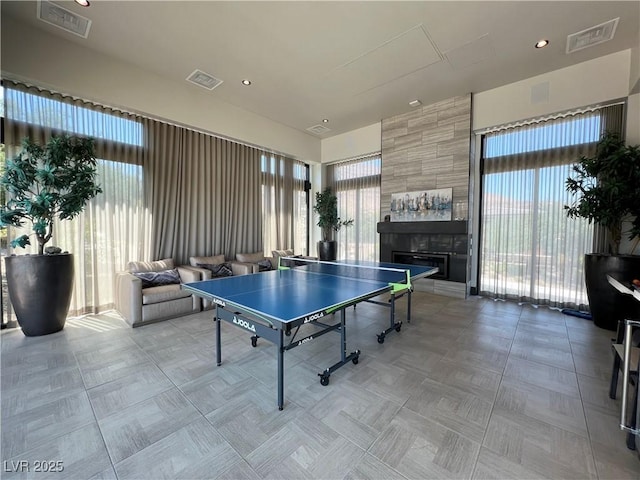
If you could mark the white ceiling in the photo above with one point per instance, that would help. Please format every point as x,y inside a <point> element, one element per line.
<point>353,63</point>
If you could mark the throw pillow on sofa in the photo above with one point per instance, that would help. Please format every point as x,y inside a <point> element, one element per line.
<point>217,270</point>
<point>264,265</point>
<point>156,279</point>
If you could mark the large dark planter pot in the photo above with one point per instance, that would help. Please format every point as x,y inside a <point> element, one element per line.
<point>607,305</point>
<point>40,289</point>
<point>327,251</point>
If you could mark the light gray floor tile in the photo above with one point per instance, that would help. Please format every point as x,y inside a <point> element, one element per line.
<point>540,447</point>
<point>196,451</point>
<point>81,454</point>
<point>555,408</point>
<point>112,397</point>
<point>460,411</point>
<point>132,429</point>
<point>305,449</point>
<point>419,448</point>
<point>40,422</point>
<point>546,376</point>
<point>370,468</point>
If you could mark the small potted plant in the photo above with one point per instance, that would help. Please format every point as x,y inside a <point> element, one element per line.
<point>328,220</point>
<point>607,187</point>
<point>44,183</point>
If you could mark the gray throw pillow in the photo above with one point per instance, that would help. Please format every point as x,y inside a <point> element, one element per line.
<point>156,279</point>
<point>264,265</point>
<point>218,270</point>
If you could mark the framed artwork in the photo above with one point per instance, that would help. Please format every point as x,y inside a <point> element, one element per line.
<point>422,206</point>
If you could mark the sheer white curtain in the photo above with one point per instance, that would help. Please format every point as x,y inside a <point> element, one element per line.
<point>530,250</point>
<point>114,228</point>
<point>284,204</point>
<point>356,183</point>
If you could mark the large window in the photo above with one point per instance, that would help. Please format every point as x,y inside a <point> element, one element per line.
<point>530,250</point>
<point>113,228</point>
<point>357,186</point>
<point>285,204</point>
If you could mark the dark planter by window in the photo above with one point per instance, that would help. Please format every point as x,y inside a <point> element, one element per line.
<point>607,305</point>
<point>40,289</point>
<point>327,251</point>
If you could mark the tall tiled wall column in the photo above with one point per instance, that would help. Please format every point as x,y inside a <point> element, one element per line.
<point>425,149</point>
<point>428,148</point>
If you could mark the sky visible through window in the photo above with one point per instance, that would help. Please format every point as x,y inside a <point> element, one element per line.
<point>51,113</point>
<point>571,132</point>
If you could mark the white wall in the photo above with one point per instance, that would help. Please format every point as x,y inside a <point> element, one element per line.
<point>352,144</point>
<point>52,62</point>
<point>600,80</point>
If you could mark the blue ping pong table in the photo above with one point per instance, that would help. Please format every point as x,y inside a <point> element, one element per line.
<point>275,304</point>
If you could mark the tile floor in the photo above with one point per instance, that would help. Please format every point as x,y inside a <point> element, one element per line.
<point>470,389</point>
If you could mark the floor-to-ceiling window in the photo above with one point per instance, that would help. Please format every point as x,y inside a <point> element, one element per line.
<point>530,250</point>
<point>113,228</point>
<point>356,183</point>
<point>285,203</point>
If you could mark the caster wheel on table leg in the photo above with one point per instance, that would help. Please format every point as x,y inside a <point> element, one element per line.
<point>398,328</point>
<point>381,338</point>
<point>324,380</point>
<point>355,361</point>
<point>254,342</point>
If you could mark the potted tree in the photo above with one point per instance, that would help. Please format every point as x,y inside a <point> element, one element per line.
<point>328,220</point>
<point>44,183</point>
<point>607,187</point>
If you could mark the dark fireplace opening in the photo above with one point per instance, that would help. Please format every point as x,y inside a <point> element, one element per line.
<point>427,259</point>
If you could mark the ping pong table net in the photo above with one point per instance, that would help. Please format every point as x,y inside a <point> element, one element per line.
<point>398,278</point>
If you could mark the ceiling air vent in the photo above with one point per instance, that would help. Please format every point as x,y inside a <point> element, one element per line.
<point>592,36</point>
<point>62,18</point>
<point>203,79</point>
<point>318,129</point>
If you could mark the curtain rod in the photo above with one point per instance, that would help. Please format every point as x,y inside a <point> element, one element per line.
<point>154,118</point>
<point>554,116</point>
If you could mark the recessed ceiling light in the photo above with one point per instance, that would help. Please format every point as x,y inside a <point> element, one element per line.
<point>246,82</point>
<point>83,3</point>
<point>415,103</point>
<point>325,120</point>
<point>542,43</point>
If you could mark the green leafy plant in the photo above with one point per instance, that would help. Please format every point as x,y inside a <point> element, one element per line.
<point>327,209</point>
<point>48,182</point>
<point>608,188</point>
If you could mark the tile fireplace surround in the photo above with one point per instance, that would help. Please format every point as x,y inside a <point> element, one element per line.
<point>448,239</point>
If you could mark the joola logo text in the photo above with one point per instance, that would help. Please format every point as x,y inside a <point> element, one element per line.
<point>219,302</point>
<point>244,324</point>
<point>305,340</point>
<point>313,317</point>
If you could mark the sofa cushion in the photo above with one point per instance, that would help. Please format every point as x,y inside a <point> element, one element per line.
<point>281,253</point>
<point>163,293</point>
<point>155,279</point>
<point>250,257</point>
<point>217,270</point>
<point>157,266</point>
<point>214,260</point>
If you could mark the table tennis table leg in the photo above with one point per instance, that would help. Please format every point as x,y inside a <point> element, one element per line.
<point>280,370</point>
<point>409,305</point>
<point>218,341</point>
<point>392,320</point>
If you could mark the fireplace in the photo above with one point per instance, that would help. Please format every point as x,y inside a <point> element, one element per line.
<point>435,239</point>
<point>427,259</point>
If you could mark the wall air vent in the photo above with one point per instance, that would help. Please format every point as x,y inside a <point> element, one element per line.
<point>318,129</point>
<point>203,79</point>
<point>592,36</point>
<point>62,18</point>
